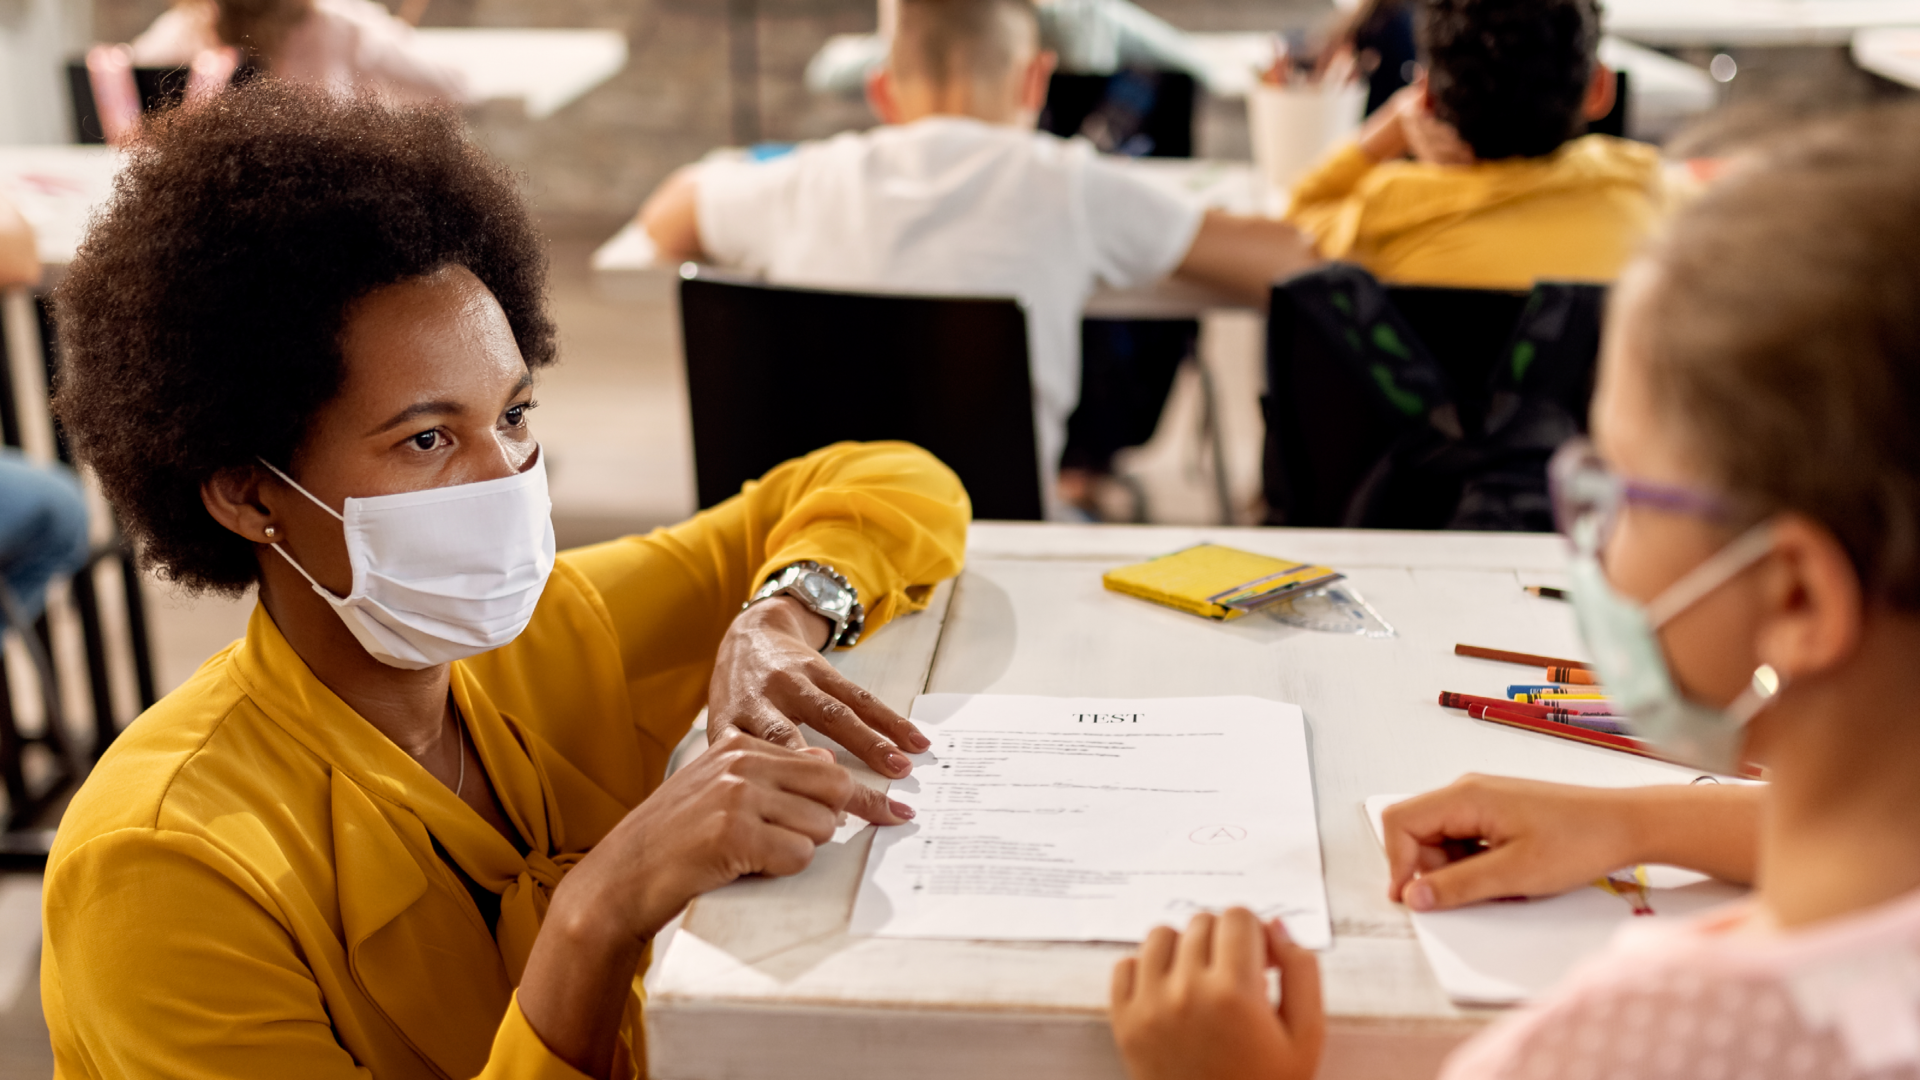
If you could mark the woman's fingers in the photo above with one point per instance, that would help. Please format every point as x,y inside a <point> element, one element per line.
<point>808,704</point>
<point>1414,830</point>
<point>761,720</point>
<point>874,712</point>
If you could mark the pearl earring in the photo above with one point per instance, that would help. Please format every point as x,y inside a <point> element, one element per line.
<point>270,532</point>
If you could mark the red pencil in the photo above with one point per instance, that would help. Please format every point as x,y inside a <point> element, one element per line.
<point>1529,659</point>
<point>1592,738</point>
<point>1453,700</point>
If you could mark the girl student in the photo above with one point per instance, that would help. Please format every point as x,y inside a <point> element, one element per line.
<point>1746,535</point>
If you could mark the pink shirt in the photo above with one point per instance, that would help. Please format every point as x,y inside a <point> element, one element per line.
<point>1725,996</point>
<point>341,45</point>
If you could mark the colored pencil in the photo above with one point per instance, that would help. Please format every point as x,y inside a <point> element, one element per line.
<point>1454,700</point>
<point>1546,592</point>
<point>1529,659</point>
<point>1624,743</point>
<point>1613,725</point>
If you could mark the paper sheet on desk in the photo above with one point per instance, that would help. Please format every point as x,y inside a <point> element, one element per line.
<point>1506,953</point>
<point>1091,819</point>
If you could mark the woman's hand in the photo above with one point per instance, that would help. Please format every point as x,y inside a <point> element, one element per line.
<point>770,678</point>
<point>743,807</point>
<point>1194,1006</point>
<point>1489,836</point>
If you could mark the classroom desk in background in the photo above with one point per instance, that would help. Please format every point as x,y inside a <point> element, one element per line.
<point>1029,616</point>
<point>1891,53</point>
<point>545,69</point>
<point>1712,23</point>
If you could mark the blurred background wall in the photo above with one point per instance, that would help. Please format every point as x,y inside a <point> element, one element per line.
<point>694,80</point>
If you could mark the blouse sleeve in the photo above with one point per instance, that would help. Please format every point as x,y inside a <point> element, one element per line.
<point>221,993</point>
<point>1318,201</point>
<point>889,516</point>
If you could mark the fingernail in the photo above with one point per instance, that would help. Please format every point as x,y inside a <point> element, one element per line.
<point>918,741</point>
<point>898,763</point>
<point>1420,896</point>
<point>1280,930</point>
<point>899,809</point>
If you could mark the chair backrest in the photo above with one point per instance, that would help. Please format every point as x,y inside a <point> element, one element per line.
<point>1354,442</point>
<point>1134,112</point>
<point>160,88</point>
<point>775,372</point>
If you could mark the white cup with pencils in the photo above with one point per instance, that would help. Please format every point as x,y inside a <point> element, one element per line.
<point>1295,116</point>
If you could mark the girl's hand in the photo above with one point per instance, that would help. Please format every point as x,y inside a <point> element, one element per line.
<point>1482,837</point>
<point>1194,1006</point>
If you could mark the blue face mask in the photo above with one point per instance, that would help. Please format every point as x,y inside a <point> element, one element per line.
<point>1626,651</point>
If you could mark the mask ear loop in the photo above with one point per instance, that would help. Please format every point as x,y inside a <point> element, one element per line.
<point>1751,547</point>
<point>292,483</point>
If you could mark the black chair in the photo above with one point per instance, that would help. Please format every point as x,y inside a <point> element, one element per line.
<point>1421,408</point>
<point>160,88</point>
<point>1135,112</point>
<point>775,372</point>
<point>35,792</point>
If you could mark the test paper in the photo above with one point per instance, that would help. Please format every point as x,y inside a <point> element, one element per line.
<point>1508,952</point>
<point>1094,819</point>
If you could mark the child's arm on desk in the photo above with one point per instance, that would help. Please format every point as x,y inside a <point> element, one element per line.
<point>19,258</point>
<point>671,216</point>
<point>1245,255</point>
<point>1541,839</point>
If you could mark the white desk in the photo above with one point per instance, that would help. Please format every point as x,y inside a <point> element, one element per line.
<point>1889,52</point>
<point>547,69</point>
<point>763,981</point>
<point>57,189</point>
<point>1710,23</point>
<point>628,265</point>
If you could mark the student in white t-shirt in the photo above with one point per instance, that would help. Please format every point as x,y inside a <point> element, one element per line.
<point>956,193</point>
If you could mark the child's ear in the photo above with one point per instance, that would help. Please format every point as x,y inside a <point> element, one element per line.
<point>881,95</point>
<point>1601,90</point>
<point>1039,76</point>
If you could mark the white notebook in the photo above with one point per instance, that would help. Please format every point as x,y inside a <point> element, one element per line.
<point>1508,952</point>
<point>1095,819</point>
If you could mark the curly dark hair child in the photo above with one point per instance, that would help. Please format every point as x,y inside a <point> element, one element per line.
<point>202,316</point>
<point>1511,76</point>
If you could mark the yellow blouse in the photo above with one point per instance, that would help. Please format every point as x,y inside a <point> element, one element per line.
<point>1578,213</point>
<point>251,883</point>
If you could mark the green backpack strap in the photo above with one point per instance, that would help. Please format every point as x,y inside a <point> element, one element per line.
<point>1370,336</point>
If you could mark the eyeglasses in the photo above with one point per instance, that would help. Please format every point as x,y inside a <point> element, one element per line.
<point>1588,496</point>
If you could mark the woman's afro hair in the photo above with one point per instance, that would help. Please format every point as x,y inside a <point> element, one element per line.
<point>201,319</point>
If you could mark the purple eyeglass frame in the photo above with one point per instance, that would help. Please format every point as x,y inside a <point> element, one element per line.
<point>1577,456</point>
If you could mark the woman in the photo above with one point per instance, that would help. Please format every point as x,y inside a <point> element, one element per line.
<point>338,45</point>
<point>414,823</point>
<point>1746,574</point>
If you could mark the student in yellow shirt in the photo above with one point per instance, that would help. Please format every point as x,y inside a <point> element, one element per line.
<point>1501,188</point>
<point>414,823</point>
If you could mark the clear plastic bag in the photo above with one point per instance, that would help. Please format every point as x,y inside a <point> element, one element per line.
<point>1335,608</point>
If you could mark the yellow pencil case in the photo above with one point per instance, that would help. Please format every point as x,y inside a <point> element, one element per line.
<point>1218,582</point>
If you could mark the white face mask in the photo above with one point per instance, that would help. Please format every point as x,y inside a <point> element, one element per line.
<point>446,573</point>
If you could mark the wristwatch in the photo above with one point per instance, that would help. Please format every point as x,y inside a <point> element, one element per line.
<point>825,592</point>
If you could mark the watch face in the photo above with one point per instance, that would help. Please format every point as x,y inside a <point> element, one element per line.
<point>825,592</point>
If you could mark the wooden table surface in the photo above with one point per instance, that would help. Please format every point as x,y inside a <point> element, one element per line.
<point>762,979</point>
